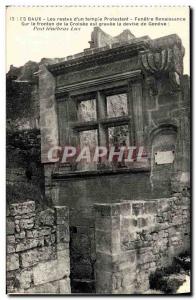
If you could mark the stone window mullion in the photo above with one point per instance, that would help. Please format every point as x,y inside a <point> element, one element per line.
<point>101,114</point>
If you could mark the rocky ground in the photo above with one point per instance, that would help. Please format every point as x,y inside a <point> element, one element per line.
<point>174,279</point>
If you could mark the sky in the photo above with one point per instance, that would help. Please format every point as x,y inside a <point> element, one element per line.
<point>24,44</point>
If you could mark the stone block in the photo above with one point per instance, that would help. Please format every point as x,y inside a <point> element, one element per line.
<point>10,239</point>
<point>46,288</point>
<point>46,217</point>
<point>64,286</point>
<point>29,258</point>
<point>32,233</point>
<point>12,262</point>
<point>39,232</point>
<point>32,257</point>
<point>27,223</point>
<point>22,208</point>
<point>10,248</point>
<point>20,235</point>
<point>128,277</point>
<point>10,226</point>
<point>25,216</point>
<point>10,244</point>
<point>50,271</point>
<point>24,278</point>
<point>29,244</point>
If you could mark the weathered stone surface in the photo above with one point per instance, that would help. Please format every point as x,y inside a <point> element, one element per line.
<point>62,214</point>
<point>27,223</point>
<point>10,244</point>
<point>10,226</point>
<point>32,257</point>
<point>41,264</point>
<point>64,286</point>
<point>11,239</point>
<point>103,282</point>
<point>10,248</point>
<point>62,233</point>
<point>20,235</point>
<point>24,278</point>
<point>46,288</point>
<point>39,232</point>
<point>49,271</point>
<point>22,208</point>
<point>50,239</point>
<point>12,261</point>
<point>29,244</point>
<point>46,217</point>
<point>155,236</point>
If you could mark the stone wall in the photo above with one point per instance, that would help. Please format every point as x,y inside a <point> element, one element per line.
<point>37,249</point>
<point>24,171</point>
<point>134,238</point>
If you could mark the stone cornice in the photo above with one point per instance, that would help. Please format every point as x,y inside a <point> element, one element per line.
<point>92,57</point>
<point>63,91</point>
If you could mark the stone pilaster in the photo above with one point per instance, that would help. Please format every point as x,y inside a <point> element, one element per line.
<point>113,271</point>
<point>48,112</point>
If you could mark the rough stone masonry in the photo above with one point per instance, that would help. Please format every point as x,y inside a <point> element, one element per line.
<point>121,90</point>
<point>37,250</point>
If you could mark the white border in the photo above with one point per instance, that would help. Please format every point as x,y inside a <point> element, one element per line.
<point>4,3</point>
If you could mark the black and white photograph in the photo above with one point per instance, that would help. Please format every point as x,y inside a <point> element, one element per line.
<point>98,150</point>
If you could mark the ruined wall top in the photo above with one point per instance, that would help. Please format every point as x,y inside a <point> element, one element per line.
<point>104,47</point>
<point>101,39</point>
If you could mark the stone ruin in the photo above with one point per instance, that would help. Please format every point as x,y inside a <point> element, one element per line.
<point>124,221</point>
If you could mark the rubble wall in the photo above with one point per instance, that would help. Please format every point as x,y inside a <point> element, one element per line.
<point>37,249</point>
<point>134,238</point>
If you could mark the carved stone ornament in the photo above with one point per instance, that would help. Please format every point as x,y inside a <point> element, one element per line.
<point>164,61</point>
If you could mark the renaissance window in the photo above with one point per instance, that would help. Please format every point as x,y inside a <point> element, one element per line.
<point>102,120</point>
